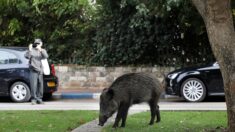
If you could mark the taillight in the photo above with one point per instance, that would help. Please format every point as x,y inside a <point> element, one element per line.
<point>53,69</point>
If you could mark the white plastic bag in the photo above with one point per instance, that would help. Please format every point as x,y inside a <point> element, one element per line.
<point>45,66</point>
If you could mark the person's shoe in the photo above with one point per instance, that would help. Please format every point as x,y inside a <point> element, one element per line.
<point>40,101</point>
<point>33,102</point>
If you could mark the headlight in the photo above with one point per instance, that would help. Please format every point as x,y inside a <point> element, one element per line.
<point>173,76</point>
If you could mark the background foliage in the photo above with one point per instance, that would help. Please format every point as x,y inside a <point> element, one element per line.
<point>151,32</point>
<point>104,32</point>
<point>65,26</point>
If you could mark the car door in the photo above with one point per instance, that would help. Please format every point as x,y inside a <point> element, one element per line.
<point>7,70</point>
<point>3,73</point>
<point>215,80</point>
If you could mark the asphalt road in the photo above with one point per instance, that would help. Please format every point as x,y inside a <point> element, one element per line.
<point>93,104</point>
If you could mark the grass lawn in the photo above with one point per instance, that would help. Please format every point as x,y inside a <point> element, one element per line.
<point>176,121</point>
<point>46,121</point>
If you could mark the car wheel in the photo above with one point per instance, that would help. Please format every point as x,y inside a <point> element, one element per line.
<point>20,92</point>
<point>193,90</point>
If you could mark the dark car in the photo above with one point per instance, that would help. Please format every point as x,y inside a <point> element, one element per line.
<point>14,75</point>
<point>194,84</point>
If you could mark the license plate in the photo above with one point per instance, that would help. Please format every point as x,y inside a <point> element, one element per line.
<point>51,84</point>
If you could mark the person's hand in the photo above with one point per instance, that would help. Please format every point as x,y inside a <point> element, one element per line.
<point>39,47</point>
<point>30,47</point>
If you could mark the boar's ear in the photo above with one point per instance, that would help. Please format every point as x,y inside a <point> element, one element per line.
<point>105,89</point>
<point>110,93</point>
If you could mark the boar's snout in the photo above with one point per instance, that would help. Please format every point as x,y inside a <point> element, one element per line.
<point>102,120</point>
<point>100,124</point>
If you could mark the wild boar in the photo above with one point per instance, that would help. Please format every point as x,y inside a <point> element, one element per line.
<point>129,89</point>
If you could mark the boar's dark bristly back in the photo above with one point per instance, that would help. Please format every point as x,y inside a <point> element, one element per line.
<point>139,85</point>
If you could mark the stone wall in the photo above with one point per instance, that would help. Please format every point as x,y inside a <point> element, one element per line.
<point>82,77</point>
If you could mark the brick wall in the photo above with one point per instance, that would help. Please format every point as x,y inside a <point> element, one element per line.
<point>82,77</point>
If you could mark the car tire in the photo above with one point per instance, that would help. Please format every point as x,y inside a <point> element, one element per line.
<point>193,90</point>
<point>20,92</point>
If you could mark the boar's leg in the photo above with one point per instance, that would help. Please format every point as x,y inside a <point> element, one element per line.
<point>121,114</point>
<point>124,114</point>
<point>152,104</point>
<point>158,114</point>
<point>118,117</point>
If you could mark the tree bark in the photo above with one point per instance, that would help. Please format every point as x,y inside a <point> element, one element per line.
<point>217,16</point>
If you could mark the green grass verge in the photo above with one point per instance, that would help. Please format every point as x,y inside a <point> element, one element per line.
<point>175,121</point>
<point>45,121</point>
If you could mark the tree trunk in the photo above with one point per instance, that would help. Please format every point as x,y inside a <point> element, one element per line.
<point>217,16</point>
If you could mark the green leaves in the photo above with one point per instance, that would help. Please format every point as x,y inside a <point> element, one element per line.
<point>14,25</point>
<point>64,26</point>
<point>151,33</point>
<point>119,32</point>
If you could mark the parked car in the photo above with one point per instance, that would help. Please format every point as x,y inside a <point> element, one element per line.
<point>194,84</point>
<point>14,75</point>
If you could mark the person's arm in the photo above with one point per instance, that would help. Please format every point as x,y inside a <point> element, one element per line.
<point>44,54</point>
<point>28,53</point>
<point>42,51</point>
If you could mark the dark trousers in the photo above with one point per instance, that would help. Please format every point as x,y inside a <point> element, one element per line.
<point>36,84</point>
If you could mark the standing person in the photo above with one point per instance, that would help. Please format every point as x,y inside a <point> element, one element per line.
<point>35,54</point>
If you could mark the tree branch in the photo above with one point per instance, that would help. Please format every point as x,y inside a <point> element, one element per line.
<point>201,6</point>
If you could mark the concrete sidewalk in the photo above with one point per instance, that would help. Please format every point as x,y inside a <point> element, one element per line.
<point>93,127</point>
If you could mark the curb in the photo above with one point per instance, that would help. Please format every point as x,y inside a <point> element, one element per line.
<point>76,95</point>
<point>94,96</point>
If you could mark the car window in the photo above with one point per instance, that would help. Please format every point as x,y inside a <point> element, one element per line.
<point>8,58</point>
